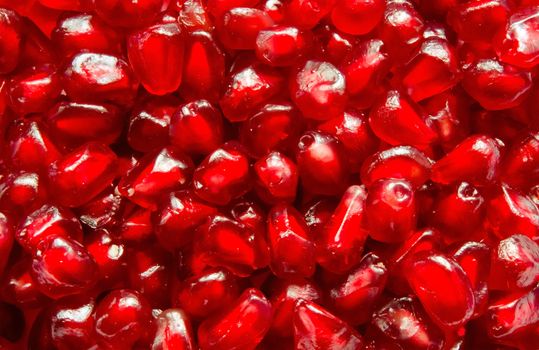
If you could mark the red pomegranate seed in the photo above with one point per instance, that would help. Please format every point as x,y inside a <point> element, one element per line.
<point>357,16</point>
<point>283,46</point>
<point>242,326</point>
<point>82,174</point>
<point>102,210</point>
<point>305,14</point>
<point>442,287</point>
<point>174,331</point>
<point>72,322</point>
<point>390,210</point>
<point>238,27</point>
<point>109,256</point>
<point>22,192</point>
<point>62,266</point>
<point>127,13</point>
<point>6,241</point>
<point>340,242</point>
<point>19,288</point>
<point>11,42</point>
<point>276,178</point>
<point>319,90</point>
<point>156,56</point>
<point>193,15</point>
<point>315,327</point>
<point>519,168</point>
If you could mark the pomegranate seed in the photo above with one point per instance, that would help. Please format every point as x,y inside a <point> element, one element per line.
<point>283,46</point>
<point>515,264</point>
<point>126,13</point>
<point>305,14</point>
<point>238,27</point>
<point>284,294</point>
<point>213,246</point>
<point>242,326</point>
<point>19,288</point>
<point>93,77</point>
<point>276,178</point>
<point>475,160</point>
<point>148,274</point>
<point>334,44</point>
<point>403,323</point>
<point>101,211</point>
<point>76,32</point>
<point>154,176</point>
<point>193,15</point>
<point>442,287</point>
<point>223,175</point>
<point>341,241</point>
<point>11,42</point>
<point>396,120</point>
<point>357,16</point>
<point>519,167</point>
<point>156,56</point>
<point>82,174</point>
<point>208,292</point>
<point>173,331</point>
<point>6,241</point>
<point>292,250</point>
<point>62,266</point>
<point>314,327</point>
<point>122,318</point>
<point>517,43</point>
<point>403,162</point>
<point>72,322</point>
<point>319,90</point>
<point>22,192</point>
<point>321,163</point>
<point>109,256</point>
<point>197,128</point>
<point>390,210</point>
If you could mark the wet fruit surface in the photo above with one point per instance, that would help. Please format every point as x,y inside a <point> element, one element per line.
<point>269,174</point>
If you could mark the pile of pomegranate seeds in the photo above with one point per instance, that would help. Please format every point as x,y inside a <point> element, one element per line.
<point>269,174</point>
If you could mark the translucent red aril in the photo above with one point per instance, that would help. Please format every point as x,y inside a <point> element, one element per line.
<point>102,210</point>
<point>109,255</point>
<point>193,15</point>
<point>29,146</point>
<point>154,175</point>
<point>364,68</point>
<point>462,201</point>
<point>176,218</point>
<point>122,318</point>
<point>401,29</point>
<point>432,70</point>
<point>224,175</point>
<point>242,326</point>
<point>72,124</point>
<point>474,258</point>
<point>174,331</point>
<point>354,298</point>
<point>521,164</point>
<point>247,89</point>
<point>276,178</point>
<point>204,67</point>
<point>390,210</point>
<point>33,90</point>
<point>283,46</point>
<point>357,17</point>
<point>6,241</point>
<point>292,249</point>
<point>11,42</point>
<point>496,85</point>
<point>403,323</point>
<point>238,28</point>
<point>23,191</point>
<point>69,5</point>
<point>403,162</point>
<point>340,242</point>
<point>335,45</point>
<point>471,19</point>
<point>83,31</point>
<point>19,288</point>
<point>82,174</point>
<point>518,43</point>
<point>512,314</point>
<point>316,328</point>
<point>357,139</point>
<point>321,163</point>
<point>128,13</point>
<point>442,287</point>
<point>62,266</point>
<point>94,77</point>
<point>45,222</point>
<point>515,264</point>
<point>156,56</point>
<point>209,292</point>
<point>148,273</point>
<point>284,294</point>
<point>135,226</point>
<point>396,120</point>
<point>511,212</point>
<point>250,214</point>
<point>274,127</point>
<point>227,243</point>
<point>197,127</point>
<point>475,160</point>
<point>149,123</point>
<point>319,90</point>
<point>72,322</point>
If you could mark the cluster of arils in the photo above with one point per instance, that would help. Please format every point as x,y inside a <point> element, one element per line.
<point>269,174</point>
